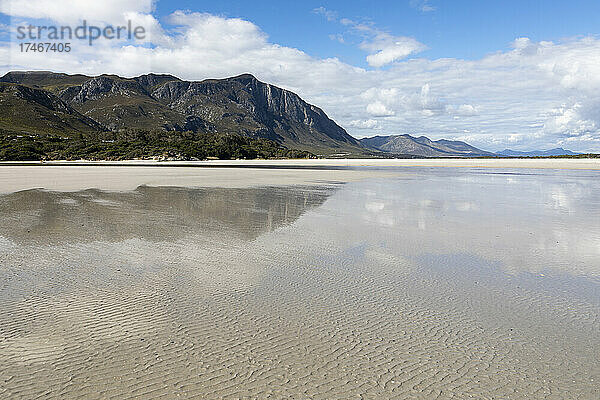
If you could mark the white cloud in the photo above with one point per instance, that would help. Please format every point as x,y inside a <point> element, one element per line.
<point>73,11</point>
<point>574,120</point>
<point>383,47</point>
<point>585,140</point>
<point>364,124</point>
<point>387,49</point>
<point>543,91</point>
<point>515,138</point>
<point>429,104</point>
<point>467,110</point>
<point>388,101</point>
<point>378,109</point>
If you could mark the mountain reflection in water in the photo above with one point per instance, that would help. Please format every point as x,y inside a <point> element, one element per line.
<point>151,213</point>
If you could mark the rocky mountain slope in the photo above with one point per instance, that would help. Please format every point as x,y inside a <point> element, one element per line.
<point>26,109</point>
<point>559,151</point>
<point>50,103</point>
<point>422,146</point>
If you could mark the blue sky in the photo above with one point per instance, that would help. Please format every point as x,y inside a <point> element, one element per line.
<point>497,74</point>
<point>467,29</point>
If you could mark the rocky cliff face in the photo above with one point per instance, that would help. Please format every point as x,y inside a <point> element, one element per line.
<point>256,108</point>
<point>102,86</point>
<point>240,105</point>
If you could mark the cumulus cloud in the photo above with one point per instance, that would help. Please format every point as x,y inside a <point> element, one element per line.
<point>383,47</point>
<point>389,101</point>
<point>578,119</point>
<point>73,11</point>
<point>364,124</point>
<point>378,109</point>
<point>387,49</point>
<point>542,93</point>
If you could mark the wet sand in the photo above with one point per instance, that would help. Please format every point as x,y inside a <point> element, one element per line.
<point>428,283</point>
<point>124,178</point>
<point>530,163</point>
<point>128,175</point>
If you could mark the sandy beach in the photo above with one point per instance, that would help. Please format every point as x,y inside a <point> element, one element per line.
<point>280,200</point>
<point>127,175</point>
<point>392,280</point>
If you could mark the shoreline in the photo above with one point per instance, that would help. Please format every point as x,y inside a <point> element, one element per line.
<point>529,163</point>
<point>75,176</point>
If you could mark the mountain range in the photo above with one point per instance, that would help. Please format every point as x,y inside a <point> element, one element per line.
<point>422,146</point>
<point>56,105</point>
<point>559,151</point>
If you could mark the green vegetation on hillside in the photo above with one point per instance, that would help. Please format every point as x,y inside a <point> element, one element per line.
<point>139,144</point>
<point>47,103</point>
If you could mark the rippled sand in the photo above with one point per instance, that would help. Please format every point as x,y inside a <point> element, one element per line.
<point>431,284</point>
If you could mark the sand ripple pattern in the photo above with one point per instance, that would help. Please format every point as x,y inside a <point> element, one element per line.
<point>320,307</point>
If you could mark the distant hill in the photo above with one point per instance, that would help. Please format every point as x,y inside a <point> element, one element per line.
<point>47,103</point>
<point>422,146</point>
<point>559,151</point>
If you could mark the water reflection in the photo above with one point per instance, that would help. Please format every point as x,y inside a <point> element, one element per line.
<point>151,213</point>
<point>387,283</point>
<point>535,222</point>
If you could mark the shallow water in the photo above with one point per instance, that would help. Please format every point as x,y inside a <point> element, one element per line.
<point>438,283</point>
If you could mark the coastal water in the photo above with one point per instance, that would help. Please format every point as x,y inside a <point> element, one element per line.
<point>427,283</point>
